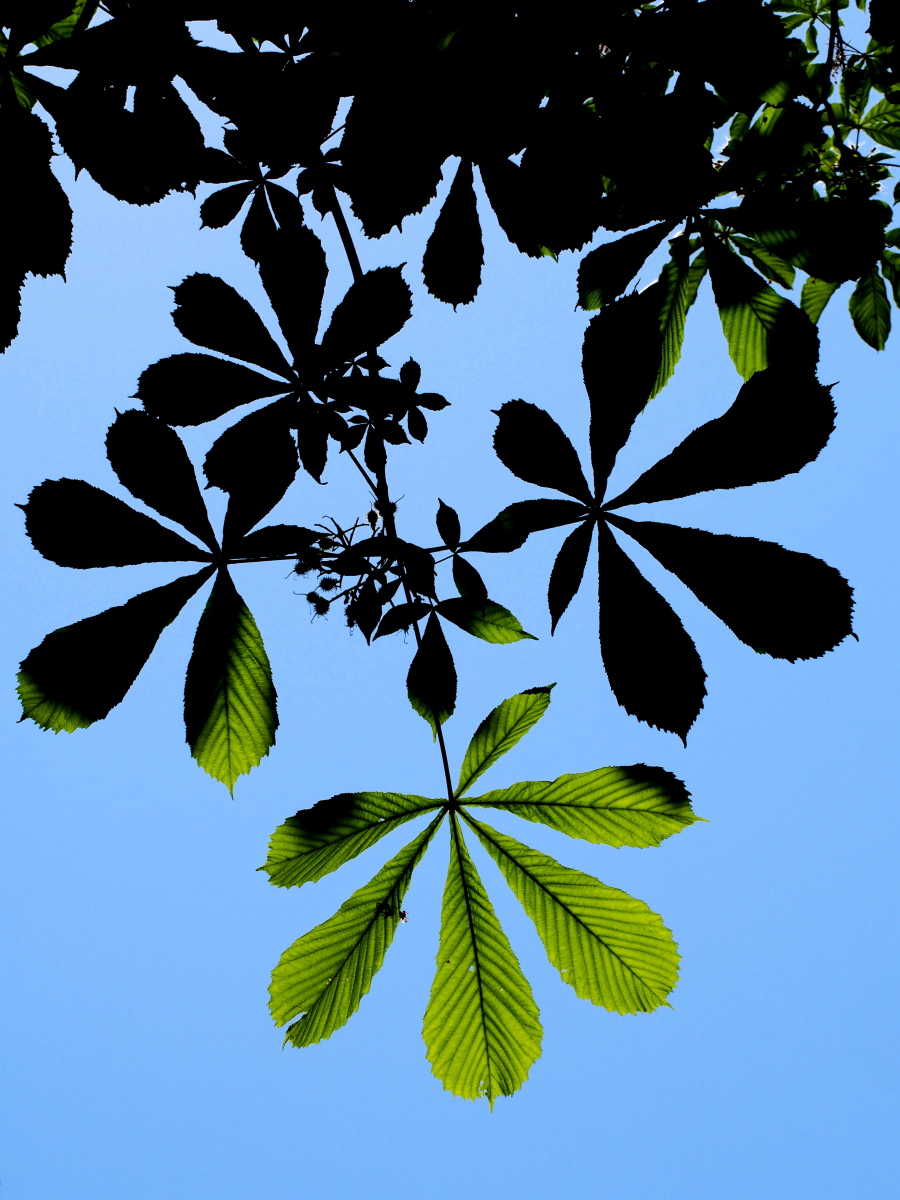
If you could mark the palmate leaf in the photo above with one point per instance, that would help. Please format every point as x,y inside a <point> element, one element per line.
<point>679,283</point>
<point>611,948</point>
<point>230,712</point>
<point>568,571</point>
<point>454,255</point>
<point>212,314</point>
<point>79,673</point>
<point>530,443</point>
<point>318,840</point>
<point>190,389</point>
<point>614,806</point>
<point>500,730</point>
<point>326,973</point>
<point>375,308</point>
<point>482,1029</point>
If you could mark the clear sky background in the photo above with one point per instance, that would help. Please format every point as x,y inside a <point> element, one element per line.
<point>139,1058</point>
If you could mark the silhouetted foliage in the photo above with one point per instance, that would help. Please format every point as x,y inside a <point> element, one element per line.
<point>562,120</point>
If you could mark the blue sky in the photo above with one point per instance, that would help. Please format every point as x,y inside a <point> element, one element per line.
<point>139,1057</point>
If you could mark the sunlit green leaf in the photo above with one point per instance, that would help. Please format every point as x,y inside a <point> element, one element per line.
<point>611,948</point>
<point>484,619</point>
<point>871,310</point>
<point>499,731</point>
<point>325,974</point>
<point>482,1029</point>
<point>320,839</point>
<point>617,806</point>
<point>229,698</point>
<point>815,295</point>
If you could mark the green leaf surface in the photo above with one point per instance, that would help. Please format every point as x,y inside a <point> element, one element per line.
<point>320,839</point>
<point>611,948</point>
<point>482,1029</point>
<point>230,711</point>
<point>614,806</point>
<point>680,282</point>
<point>500,730</point>
<point>748,307</point>
<point>882,124</point>
<point>325,974</point>
<point>815,295</point>
<point>871,310</point>
<point>484,619</point>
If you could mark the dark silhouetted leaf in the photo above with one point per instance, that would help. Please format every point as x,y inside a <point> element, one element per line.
<point>454,255</point>
<point>75,524</point>
<point>190,389</point>
<point>221,208</point>
<point>509,529</point>
<point>652,664</point>
<point>151,461</point>
<point>79,673</point>
<point>313,423</point>
<point>621,362</point>
<point>277,541</point>
<point>779,422</point>
<point>447,522</point>
<point>230,715</point>
<point>373,310</point>
<point>293,272</point>
<point>774,600</point>
<point>255,461</point>
<point>211,313</point>
<point>318,840</point>
<point>467,580</point>
<point>402,616</point>
<point>431,681</point>
<point>484,619</point>
<point>568,571</point>
<point>607,271</point>
<point>530,443</point>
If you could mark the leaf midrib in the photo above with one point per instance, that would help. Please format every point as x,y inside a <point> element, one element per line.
<point>479,828</point>
<point>457,845</point>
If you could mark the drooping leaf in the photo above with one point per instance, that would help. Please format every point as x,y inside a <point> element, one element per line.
<point>568,571</point>
<point>511,527</point>
<point>679,283</point>
<point>230,714</point>
<point>748,307</point>
<point>621,360</point>
<point>431,680</point>
<point>611,948</point>
<point>484,619</point>
<point>613,806</point>
<point>652,664</point>
<point>78,674</point>
<point>454,255</point>
<point>375,308</point>
<point>190,389</point>
<point>815,295</point>
<point>500,730</point>
<point>318,840</point>
<point>871,310</point>
<point>607,271</point>
<point>776,601</point>
<point>779,422</point>
<point>530,443</point>
<point>75,524</point>
<point>212,314</point>
<point>482,1029</point>
<point>150,460</point>
<point>325,974</point>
